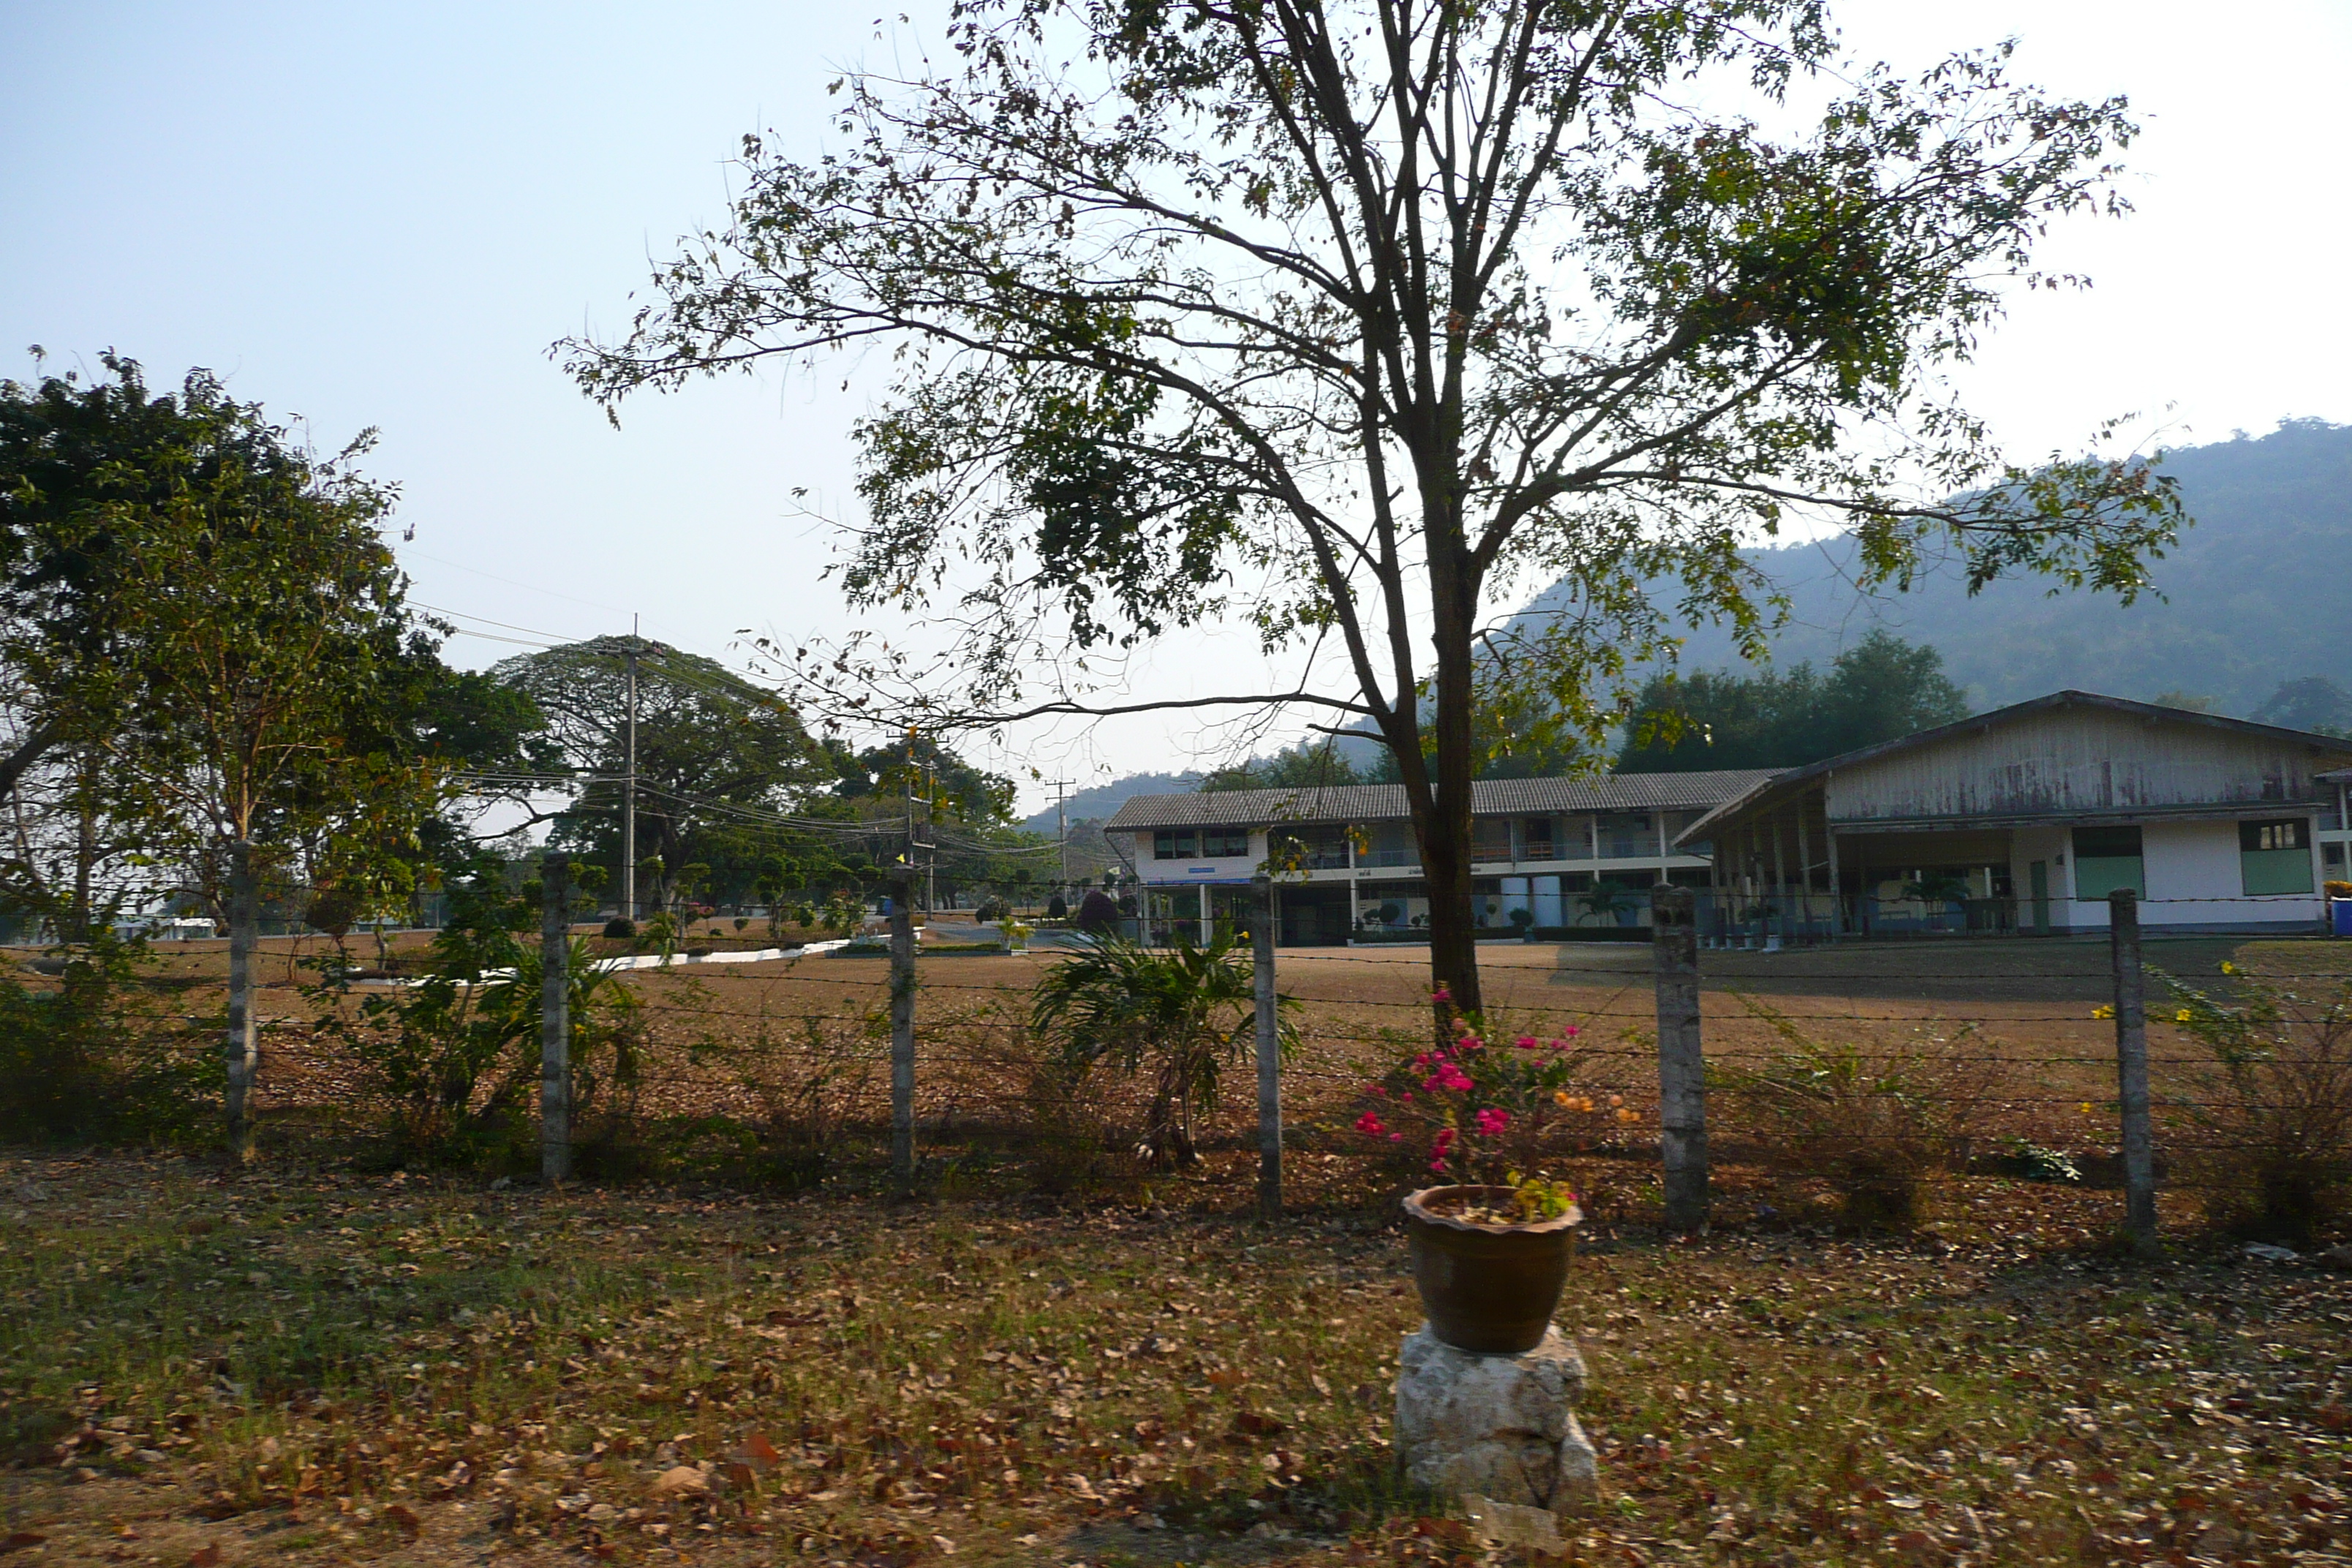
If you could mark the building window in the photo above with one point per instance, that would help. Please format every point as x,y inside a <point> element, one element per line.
<point>2106,859</point>
<point>1537,832</point>
<point>1174,844</point>
<point>1628,835</point>
<point>2275,856</point>
<point>1224,843</point>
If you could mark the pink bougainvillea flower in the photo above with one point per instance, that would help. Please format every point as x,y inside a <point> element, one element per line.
<point>1375,1088</point>
<point>1441,995</point>
<point>1571,1031</point>
<point>1492,1120</point>
<point>1525,1042</point>
<point>1446,1137</point>
<point>1396,1137</point>
<point>1370,1124</point>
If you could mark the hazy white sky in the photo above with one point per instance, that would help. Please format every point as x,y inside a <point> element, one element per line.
<point>382,215</point>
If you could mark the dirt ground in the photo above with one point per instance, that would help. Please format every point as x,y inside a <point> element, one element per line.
<point>314,1365</point>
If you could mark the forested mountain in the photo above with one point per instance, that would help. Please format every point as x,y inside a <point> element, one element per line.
<point>2258,592</point>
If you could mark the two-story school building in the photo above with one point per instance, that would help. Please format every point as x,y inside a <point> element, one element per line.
<point>1566,854</point>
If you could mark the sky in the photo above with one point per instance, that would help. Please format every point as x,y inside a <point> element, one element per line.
<point>383,216</point>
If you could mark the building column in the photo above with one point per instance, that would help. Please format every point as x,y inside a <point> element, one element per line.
<point>1837,894</point>
<point>1805,864</point>
<point>1208,920</point>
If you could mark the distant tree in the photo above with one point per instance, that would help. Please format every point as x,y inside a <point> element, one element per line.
<point>1310,764</point>
<point>1879,690</point>
<point>718,758</point>
<point>2315,704</point>
<point>929,771</point>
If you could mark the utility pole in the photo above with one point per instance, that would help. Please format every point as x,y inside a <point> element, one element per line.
<point>1061,788</point>
<point>629,792</point>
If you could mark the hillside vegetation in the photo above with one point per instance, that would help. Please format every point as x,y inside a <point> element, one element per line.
<point>2258,592</point>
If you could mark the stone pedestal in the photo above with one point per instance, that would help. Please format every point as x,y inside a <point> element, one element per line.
<point>1493,1426</point>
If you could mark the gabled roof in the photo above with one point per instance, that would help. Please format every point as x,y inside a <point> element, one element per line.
<point>1780,787</point>
<point>1489,798</point>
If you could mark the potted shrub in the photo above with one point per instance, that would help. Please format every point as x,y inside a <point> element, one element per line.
<point>1490,1245</point>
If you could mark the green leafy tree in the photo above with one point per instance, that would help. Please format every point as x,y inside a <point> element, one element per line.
<point>1177,1015</point>
<point>1310,764</point>
<point>1350,318</point>
<point>259,653</point>
<point>718,758</point>
<point>1879,690</point>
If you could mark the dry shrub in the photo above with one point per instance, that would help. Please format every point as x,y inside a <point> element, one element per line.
<point>810,1089</point>
<point>1080,1130</point>
<point>2266,1130</point>
<point>1876,1123</point>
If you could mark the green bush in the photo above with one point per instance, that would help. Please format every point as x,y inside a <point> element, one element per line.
<point>1175,1017</point>
<point>452,1062</point>
<point>94,1059</point>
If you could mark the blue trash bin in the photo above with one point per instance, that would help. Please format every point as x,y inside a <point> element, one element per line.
<point>2341,909</point>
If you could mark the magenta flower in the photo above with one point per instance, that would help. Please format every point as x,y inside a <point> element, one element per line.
<point>1525,1042</point>
<point>1441,995</point>
<point>1492,1120</point>
<point>1370,1124</point>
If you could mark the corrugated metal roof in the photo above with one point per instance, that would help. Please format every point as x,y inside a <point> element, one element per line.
<point>1489,798</point>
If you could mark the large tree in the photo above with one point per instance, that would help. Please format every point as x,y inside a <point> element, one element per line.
<point>259,660</point>
<point>715,754</point>
<point>1352,318</point>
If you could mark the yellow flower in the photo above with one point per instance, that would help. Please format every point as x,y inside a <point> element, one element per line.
<point>1561,1098</point>
<point>2086,1107</point>
<point>2182,1016</point>
<point>2103,1011</point>
<point>2228,967</point>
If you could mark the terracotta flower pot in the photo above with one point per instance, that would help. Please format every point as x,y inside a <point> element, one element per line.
<point>1490,1288</point>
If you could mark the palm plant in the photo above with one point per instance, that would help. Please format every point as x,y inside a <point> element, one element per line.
<point>1177,1015</point>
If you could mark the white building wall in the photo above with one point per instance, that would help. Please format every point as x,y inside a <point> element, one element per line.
<point>2187,863</point>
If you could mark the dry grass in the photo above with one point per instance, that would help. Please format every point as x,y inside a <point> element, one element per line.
<point>307,1365</point>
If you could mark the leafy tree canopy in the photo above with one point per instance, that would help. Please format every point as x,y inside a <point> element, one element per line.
<point>718,758</point>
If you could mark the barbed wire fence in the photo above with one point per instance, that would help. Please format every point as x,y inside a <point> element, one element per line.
<point>809,1047</point>
<point>922,1062</point>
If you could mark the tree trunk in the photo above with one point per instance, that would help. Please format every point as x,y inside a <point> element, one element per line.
<point>243,1056</point>
<point>1445,828</point>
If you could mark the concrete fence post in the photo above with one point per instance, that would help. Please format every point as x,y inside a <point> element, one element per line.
<point>555,1017</point>
<point>1682,1060</point>
<point>2131,1072</point>
<point>902,1033</point>
<point>1269,1051</point>
<point>242,1052</point>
